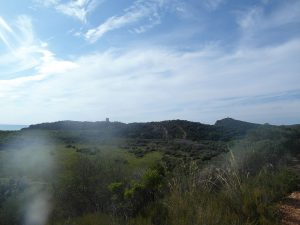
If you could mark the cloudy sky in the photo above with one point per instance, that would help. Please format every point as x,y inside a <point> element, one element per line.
<point>149,60</point>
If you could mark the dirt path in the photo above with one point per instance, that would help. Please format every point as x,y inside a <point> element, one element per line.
<point>290,207</point>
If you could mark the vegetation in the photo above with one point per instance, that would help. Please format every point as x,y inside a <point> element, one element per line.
<point>159,173</point>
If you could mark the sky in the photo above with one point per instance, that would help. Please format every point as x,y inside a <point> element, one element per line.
<point>149,60</point>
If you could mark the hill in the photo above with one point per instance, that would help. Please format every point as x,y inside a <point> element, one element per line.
<point>236,128</point>
<point>152,173</point>
<point>223,130</point>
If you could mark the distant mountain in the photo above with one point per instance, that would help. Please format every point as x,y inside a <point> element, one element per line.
<point>8,127</point>
<point>225,129</point>
<point>236,128</point>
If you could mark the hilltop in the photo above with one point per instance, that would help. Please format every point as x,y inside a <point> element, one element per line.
<point>236,128</point>
<point>223,130</point>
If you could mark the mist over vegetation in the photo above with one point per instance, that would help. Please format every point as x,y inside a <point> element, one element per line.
<point>160,173</point>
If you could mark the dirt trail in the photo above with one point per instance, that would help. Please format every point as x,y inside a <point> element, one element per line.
<point>290,207</point>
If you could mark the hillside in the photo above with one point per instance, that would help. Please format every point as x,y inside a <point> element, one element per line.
<point>225,129</point>
<point>173,172</point>
<point>236,128</point>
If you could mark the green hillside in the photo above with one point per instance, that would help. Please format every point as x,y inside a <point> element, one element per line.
<point>172,172</point>
<point>225,129</point>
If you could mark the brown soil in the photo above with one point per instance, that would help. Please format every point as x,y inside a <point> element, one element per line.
<point>290,207</point>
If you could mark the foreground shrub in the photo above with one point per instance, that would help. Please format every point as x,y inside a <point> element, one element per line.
<point>226,196</point>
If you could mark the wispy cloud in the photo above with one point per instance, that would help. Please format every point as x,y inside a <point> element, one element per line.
<point>5,31</point>
<point>148,10</point>
<point>182,79</point>
<point>213,4</point>
<point>21,49</point>
<point>256,22</point>
<point>78,9</point>
<point>47,3</point>
<point>25,53</point>
<point>4,25</point>
<point>251,18</point>
<point>201,85</point>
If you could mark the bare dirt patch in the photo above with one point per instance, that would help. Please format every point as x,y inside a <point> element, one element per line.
<point>290,207</point>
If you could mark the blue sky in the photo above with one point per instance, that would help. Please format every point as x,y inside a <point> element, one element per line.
<point>199,60</point>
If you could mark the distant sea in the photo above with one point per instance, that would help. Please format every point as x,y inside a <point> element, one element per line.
<point>11,127</point>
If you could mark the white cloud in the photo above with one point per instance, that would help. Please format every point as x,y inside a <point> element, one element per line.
<point>250,18</point>
<point>154,84</point>
<point>4,25</point>
<point>21,50</point>
<point>256,21</point>
<point>149,10</point>
<point>47,3</point>
<point>150,83</point>
<point>25,54</point>
<point>78,9</point>
<point>5,31</point>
